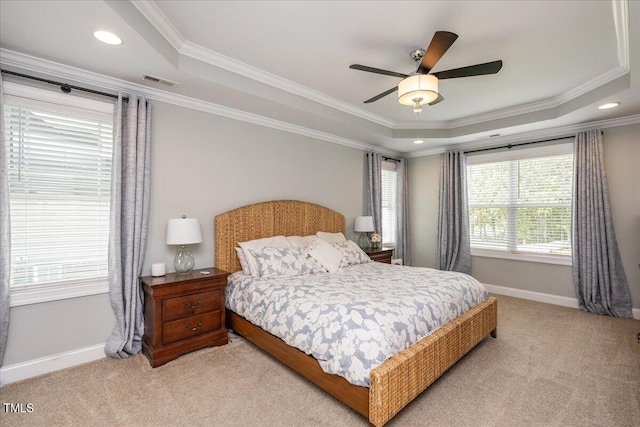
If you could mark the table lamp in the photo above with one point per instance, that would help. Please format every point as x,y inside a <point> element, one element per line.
<point>364,226</point>
<point>183,231</point>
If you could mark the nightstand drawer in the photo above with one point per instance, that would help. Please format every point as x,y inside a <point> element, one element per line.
<point>383,258</point>
<point>189,305</point>
<point>190,327</point>
<point>382,255</point>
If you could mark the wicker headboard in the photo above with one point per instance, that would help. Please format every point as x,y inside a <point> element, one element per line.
<point>266,219</point>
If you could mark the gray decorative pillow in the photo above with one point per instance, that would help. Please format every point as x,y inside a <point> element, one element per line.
<point>275,262</point>
<point>351,253</point>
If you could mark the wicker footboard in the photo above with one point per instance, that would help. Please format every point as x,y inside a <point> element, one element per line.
<point>400,379</point>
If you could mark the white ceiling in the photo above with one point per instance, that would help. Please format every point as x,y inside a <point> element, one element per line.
<point>286,64</point>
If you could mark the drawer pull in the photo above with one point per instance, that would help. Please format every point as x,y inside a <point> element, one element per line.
<point>195,305</point>
<point>194,328</point>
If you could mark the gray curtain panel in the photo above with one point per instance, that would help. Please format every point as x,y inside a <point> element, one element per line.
<point>453,250</point>
<point>374,189</point>
<point>5,233</point>
<point>130,189</point>
<point>403,249</point>
<point>598,275</point>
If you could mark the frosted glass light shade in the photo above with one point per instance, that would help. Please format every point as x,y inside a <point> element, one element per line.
<point>363,224</point>
<point>183,231</point>
<point>422,87</point>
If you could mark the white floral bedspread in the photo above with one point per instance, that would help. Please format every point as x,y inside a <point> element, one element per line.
<point>353,320</point>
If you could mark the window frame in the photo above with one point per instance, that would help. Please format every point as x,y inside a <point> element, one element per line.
<point>561,148</point>
<point>389,166</point>
<point>41,98</point>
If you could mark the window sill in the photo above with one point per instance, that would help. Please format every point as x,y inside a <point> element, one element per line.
<point>40,294</point>
<point>545,259</point>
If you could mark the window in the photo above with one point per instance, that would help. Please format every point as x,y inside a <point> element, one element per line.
<point>389,202</point>
<point>520,203</point>
<point>59,156</point>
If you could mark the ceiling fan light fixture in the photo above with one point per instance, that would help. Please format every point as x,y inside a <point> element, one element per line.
<point>417,90</point>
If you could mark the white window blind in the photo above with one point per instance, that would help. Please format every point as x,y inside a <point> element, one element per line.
<point>520,200</point>
<point>389,202</point>
<point>59,159</point>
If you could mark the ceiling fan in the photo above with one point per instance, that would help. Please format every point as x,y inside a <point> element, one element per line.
<point>421,87</point>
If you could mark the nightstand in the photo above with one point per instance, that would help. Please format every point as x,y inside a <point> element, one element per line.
<point>382,254</point>
<point>182,313</point>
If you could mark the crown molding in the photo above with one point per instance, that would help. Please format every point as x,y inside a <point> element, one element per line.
<point>621,18</point>
<point>52,69</point>
<point>157,18</point>
<point>216,59</point>
<point>556,132</point>
<point>621,22</point>
<point>160,22</point>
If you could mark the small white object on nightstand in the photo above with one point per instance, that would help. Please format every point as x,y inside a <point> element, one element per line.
<point>158,269</point>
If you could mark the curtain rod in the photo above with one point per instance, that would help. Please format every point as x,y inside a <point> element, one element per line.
<point>510,146</point>
<point>387,158</point>
<point>64,87</point>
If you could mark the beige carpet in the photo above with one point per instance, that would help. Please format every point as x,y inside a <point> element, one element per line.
<point>549,366</point>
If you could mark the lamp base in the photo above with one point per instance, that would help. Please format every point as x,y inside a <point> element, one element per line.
<point>364,241</point>
<point>184,261</point>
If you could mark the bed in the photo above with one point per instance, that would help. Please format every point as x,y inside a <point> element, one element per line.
<point>394,383</point>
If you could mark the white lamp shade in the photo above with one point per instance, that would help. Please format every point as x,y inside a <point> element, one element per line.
<point>183,231</point>
<point>419,86</point>
<point>364,224</point>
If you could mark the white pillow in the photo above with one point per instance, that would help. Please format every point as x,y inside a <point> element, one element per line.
<point>331,237</point>
<point>243,261</point>
<point>327,255</point>
<point>256,245</point>
<point>299,242</point>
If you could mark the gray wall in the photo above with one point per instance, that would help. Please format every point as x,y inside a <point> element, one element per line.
<point>622,156</point>
<point>45,329</point>
<point>202,165</point>
<point>424,178</point>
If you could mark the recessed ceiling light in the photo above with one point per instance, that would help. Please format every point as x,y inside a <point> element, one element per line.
<point>609,105</point>
<point>107,37</point>
<point>418,141</point>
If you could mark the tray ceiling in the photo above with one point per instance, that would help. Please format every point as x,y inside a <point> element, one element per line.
<point>288,62</point>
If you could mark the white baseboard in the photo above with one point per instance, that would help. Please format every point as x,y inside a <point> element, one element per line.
<point>542,297</point>
<point>44,365</point>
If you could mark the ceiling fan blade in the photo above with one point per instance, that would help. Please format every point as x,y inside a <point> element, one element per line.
<point>382,95</point>
<point>440,43</point>
<point>471,70</point>
<point>440,98</point>
<point>377,71</point>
